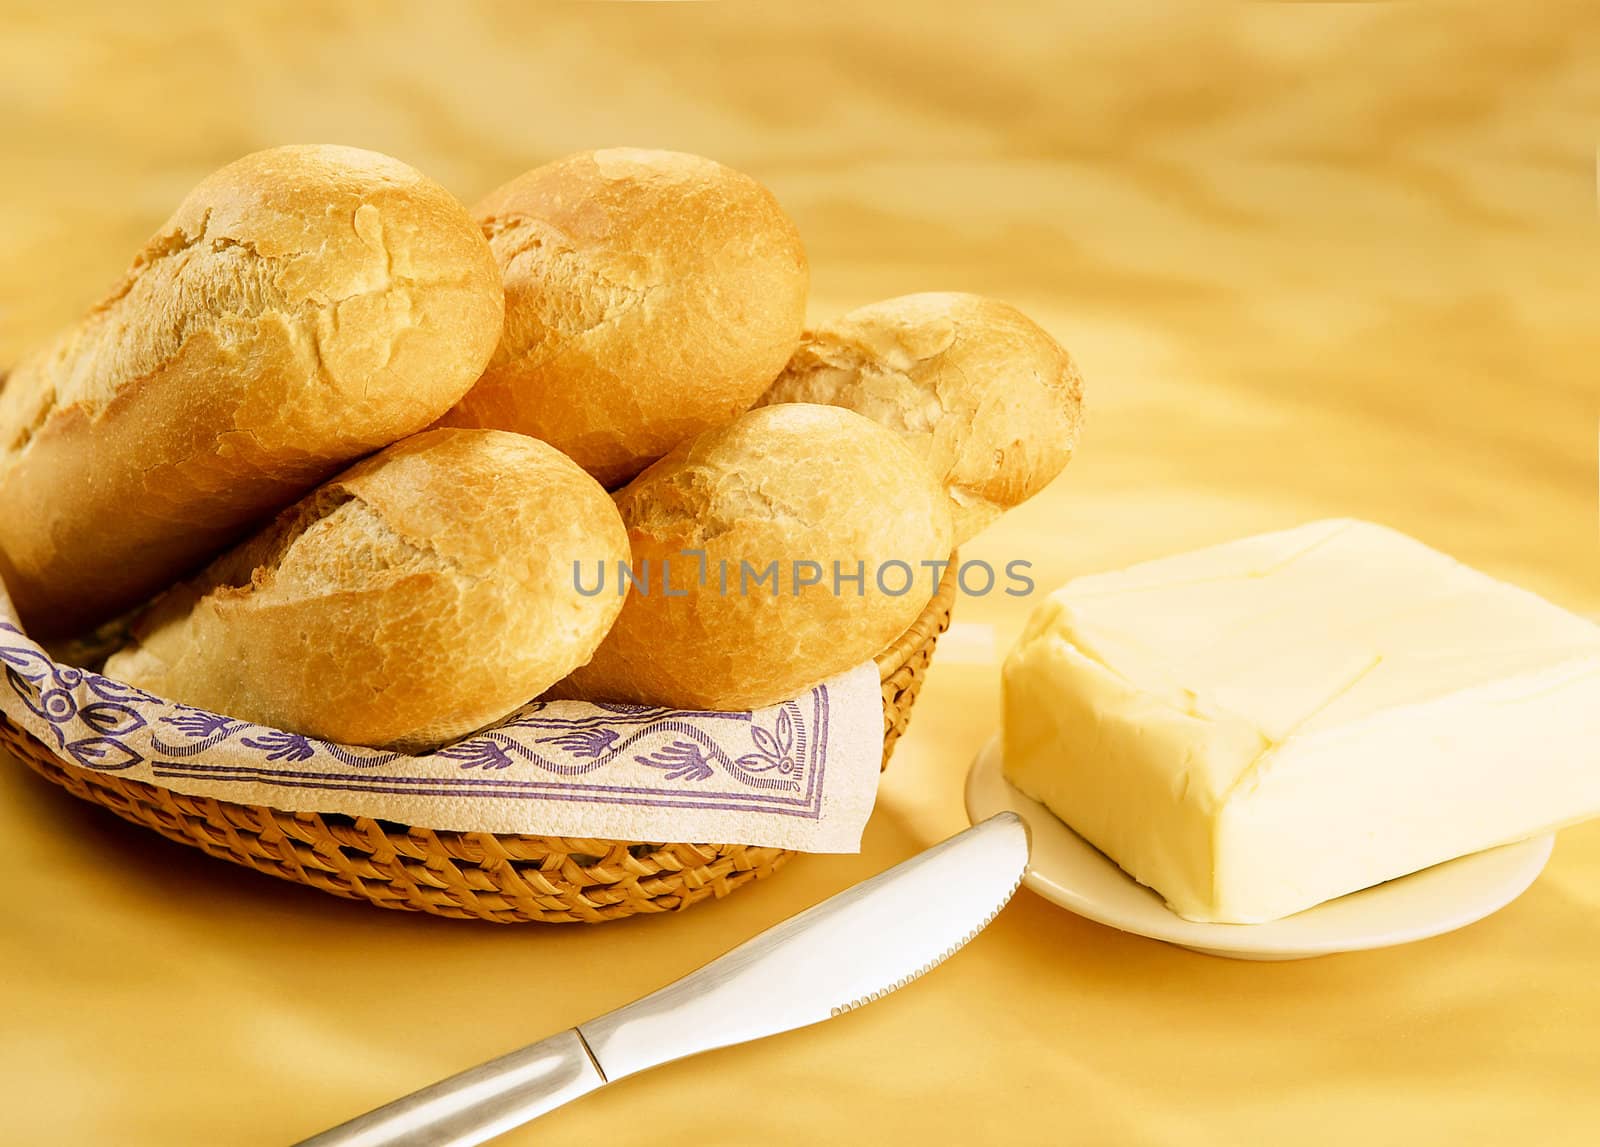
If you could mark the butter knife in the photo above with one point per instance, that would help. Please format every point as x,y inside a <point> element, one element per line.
<point>849,950</point>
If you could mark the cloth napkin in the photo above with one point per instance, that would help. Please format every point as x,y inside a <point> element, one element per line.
<point>802,774</point>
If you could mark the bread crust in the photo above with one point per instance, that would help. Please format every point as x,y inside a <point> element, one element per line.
<point>650,295</point>
<point>303,307</point>
<point>422,594</point>
<point>782,484</point>
<point>975,387</point>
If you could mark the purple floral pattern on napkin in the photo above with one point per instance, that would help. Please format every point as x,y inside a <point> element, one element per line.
<point>771,762</point>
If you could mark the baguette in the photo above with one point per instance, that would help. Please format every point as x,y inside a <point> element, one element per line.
<point>991,401</point>
<point>730,618</point>
<point>424,593</point>
<point>304,307</point>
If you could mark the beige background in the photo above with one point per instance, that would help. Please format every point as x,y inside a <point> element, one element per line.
<point>1313,260</point>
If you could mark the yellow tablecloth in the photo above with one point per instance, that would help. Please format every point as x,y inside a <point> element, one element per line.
<point>1313,260</point>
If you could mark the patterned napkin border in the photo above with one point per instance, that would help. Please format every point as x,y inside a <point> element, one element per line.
<point>801,774</point>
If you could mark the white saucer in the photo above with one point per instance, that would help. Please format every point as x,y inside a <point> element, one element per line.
<point>1067,870</point>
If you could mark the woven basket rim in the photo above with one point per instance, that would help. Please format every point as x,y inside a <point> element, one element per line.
<point>928,624</point>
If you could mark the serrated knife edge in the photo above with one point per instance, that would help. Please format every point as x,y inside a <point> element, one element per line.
<point>872,997</point>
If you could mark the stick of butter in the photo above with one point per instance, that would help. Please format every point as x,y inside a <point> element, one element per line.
<point>1257,727</point>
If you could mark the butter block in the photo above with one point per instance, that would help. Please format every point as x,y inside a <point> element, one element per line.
<point>1260,726</point>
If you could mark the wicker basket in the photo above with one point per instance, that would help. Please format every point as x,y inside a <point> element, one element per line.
<point>474,875</point>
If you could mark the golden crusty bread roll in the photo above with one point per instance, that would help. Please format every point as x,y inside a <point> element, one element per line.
<point>422,594</point>
<point>650,295</point>
<point>304,307</point>
<point>992,402</point>
<point>775,488</point>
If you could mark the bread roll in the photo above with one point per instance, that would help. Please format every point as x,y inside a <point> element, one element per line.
<point>777,487</point>
<point>990,400</point>
<point>650,295</point>
<point>420,595</point>
<point>304,307</point>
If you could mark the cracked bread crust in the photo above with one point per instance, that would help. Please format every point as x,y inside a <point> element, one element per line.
<point>303,307</point>
<point>988,398</point>
<point>650,295</point>
<point>782,484</point>
<point>422,594</point>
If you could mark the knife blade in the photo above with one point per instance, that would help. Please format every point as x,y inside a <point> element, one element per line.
<point>852,949</point>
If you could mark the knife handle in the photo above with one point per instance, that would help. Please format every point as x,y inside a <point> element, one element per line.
<point>479,1103</point>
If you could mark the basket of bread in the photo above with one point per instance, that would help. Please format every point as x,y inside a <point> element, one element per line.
<point>343,468</point>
